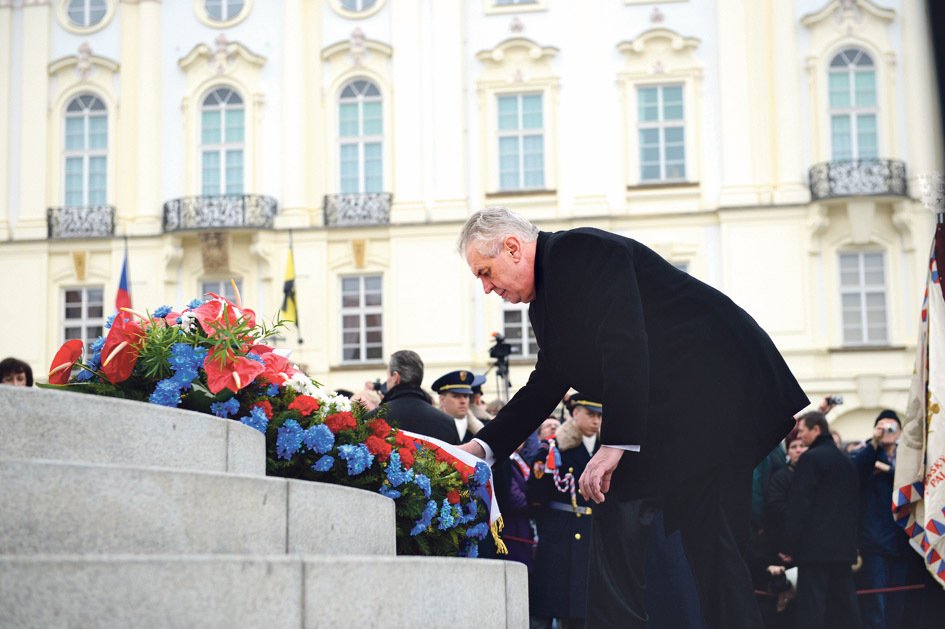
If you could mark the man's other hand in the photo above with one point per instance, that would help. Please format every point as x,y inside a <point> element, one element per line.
<point>595,481</point>
<point>474,449</point>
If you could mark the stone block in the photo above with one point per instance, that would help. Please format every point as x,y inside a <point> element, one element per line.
<point>66,426</point>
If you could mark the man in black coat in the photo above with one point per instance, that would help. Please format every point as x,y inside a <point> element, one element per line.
<point>821,527</point>
<point>678,366</point>
<point>406,403</point>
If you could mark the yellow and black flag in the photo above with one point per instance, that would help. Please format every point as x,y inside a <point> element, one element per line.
<point>290,310</point>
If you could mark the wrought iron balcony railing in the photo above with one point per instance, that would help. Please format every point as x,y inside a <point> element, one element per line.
<point>857,177</point>
<point>216,212</point>
<point>88,221</point>
<point>358,209</point>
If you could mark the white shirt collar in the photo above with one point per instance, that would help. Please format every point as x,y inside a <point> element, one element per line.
<point>589,443</point>
<point>462,425</point>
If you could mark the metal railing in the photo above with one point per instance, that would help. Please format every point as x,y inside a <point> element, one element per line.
<point>857,177</point>
<point>219,212</point>
<point>371,208</point>
<point>87,221</point>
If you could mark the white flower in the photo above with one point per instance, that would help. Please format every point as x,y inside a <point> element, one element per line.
<point>188,322</point>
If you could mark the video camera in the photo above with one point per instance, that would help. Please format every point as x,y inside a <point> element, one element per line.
<point>502,348</point>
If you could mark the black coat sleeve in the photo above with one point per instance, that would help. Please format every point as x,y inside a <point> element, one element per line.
<point>800,503</point>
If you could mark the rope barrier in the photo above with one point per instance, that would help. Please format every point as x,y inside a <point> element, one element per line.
<point>900,588</point>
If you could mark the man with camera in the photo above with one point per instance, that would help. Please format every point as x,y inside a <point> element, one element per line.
<point>884,548</point>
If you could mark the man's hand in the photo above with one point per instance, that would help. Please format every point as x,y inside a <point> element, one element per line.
<point>786,558</point>
<point>474,449</point>
<point>595,481</point>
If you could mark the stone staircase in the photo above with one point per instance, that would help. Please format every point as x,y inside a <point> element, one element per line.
<point>122,514</point>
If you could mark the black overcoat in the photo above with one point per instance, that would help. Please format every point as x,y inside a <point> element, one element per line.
<point>408,408</point>
<point>681,369</point>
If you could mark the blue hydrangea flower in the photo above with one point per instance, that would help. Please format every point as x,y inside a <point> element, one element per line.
<point>162,312</point>
<point>391,493</point>
<point>470,510</point>
<point>110,320</point>
<point>225,409</point>
<point>471,550</point>
<point>425,518</point>
<point>166,393</point>
<point>358,458</point>
<point>447,519</point>
<point>423,483</point>
<point>272,390</point>
<point>185,360</point>
<point>196,303</point>
<point>85,375</point>
<point>318,438</point>
<point>324,464</point>
<point>482,473</point>
<point>256,419</point>
<point>479,531</point>
<point>97,345</point>
<point>288,439</point>
<point>396,474</point>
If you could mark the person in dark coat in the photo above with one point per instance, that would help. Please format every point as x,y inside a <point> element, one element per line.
<point>455,392</point>
<point>677,364</point>
<point>883,545</point>
<point>558,587</point>
<point>407,405</point>
<point>820,531</point>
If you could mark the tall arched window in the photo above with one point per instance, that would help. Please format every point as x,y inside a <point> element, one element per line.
<point>221,143</point>
<point>86,151</point>
<point>853,112</point>
<point>360,135</point>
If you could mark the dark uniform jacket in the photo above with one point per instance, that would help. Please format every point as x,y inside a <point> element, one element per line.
<point>879,534</point>
<point>676,363</point>
<point>558,587</point>
<point>409,409</point>
<point>822,506</point>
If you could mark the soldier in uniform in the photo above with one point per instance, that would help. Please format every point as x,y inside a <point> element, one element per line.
<point>455,392</point>
<point>559,576</point>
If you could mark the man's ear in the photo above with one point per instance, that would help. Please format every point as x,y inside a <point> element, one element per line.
<point>512,246</point>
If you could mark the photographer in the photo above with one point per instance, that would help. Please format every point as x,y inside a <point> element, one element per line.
<point>884,548</point>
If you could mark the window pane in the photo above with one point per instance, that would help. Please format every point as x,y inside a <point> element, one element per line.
<point>75,133</point>
<point>372,320</point>
<point>372,118</point>
<point>73,333</point>
<point>839,86</point>
<point>865,85</point>
<point>211,173</point>
<point>210,127</point>
<point>234,125</point>
<point>348,119</point>
<point>234,172</point>
<point>866,136</point>
<point>508,113</point>
<point>841,137</point>
<point>531,112</point>
<point>98,132</point>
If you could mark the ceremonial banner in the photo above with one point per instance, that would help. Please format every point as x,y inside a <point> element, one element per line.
<point>919,485</point>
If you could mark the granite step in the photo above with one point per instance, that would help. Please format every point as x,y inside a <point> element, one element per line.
<point>56,507</point>
<point>66,426</point>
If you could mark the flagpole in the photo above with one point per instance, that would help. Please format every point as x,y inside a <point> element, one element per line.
<point>295,293</point>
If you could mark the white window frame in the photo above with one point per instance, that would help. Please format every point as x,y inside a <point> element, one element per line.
<point>86,8</point>
<point>863,290</point>
<point>223,147</point>
<point>222,287</point>
<point>361,140</point>
<point>853,112</point>
<point>84,321</point>
<point>361,311</point>
<point>661,125</point>
<point>525,334</point>
<point>86,154</point>
<point>227,12</point>
<point>520,133</point>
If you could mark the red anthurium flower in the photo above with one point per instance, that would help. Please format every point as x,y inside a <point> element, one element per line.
<point>378,447</point>
<point>278,368</point>
<point>232,374</point>
<point>406,457</point>
<point>304,404</point>
<point>379,428</point>
<point>120,351</point>
<point>212,311</point>
<point>259,349</point>
<point>62,362</point>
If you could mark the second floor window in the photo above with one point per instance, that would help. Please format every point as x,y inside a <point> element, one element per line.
<point>662,134</point>
<point>223,10</point>
<point>853,112</point>
<point>221,143</point>
<point>86,151</point>
<point>518,330</point>
<point>362,307</point>
<point>360,137</point>
<point>863,298</point>
<point>83,315</point>
<point>86,12</point>
<point>521,142</point>
<point>223,288</point>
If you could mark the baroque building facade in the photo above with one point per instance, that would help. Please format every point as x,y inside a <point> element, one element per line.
<point>769,148</point>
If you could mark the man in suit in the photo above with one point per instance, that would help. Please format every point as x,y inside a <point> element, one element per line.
<point>455,391</point>
<point>406,403</point>
<point>820,529</point>
<point>678,366</point>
